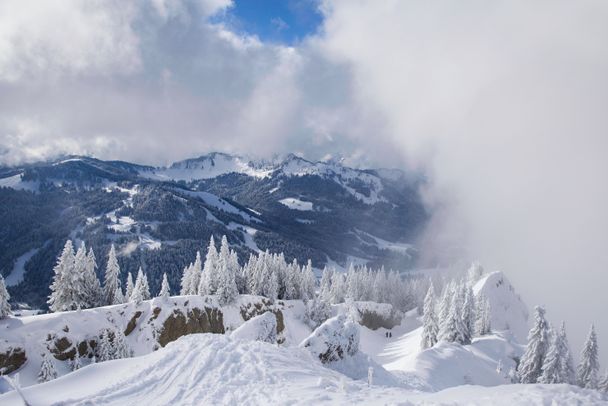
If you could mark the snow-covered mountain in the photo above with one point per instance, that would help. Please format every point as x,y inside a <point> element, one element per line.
<point>159,217</point>
<point>189,350</point>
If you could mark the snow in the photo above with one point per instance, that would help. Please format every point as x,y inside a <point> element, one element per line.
<point>402,248</point>
<point>15,182</point>
<point>219,203</point>
<point>216,369</point>
<point>508,311</point>
<point>296,204</point>
<point>208,167</point>
<point>258,328</point>
<point>16,275</point>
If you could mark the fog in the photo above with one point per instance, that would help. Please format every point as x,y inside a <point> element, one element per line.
<point>502,103</point>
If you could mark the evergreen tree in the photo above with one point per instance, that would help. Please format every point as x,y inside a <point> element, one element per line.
<point>444,309</point>
<point>325,287</point>
<point>105,350</point>
<point>120,347</point>
<point>531,363</point>
<point>468,314</point>
<point>208,280</point>
<point>47,369</point>
<point>474,273</point>
<point>186,280</point>
<point>292,281</point>
<point>130,287</point>
<point>78,279</point>
<point>164,288</point>
<point>145,287</point>
<point>308,282</point>
<point>586,373</point>
<point>429,320</point>
<point>62,296</point>
<point>138,290</point>
<point>195,276</point>
<point>318,310</point>
<point>482,323</point>
<point>568,374</point>
<point>118,296</point>
<point>5,307</point>
<point>91,282</point>
<point>603,384</point>
<point>111,281</point>
<point>337,288</point>
<point>226,288</point>
<point>552,366</point>
<point>76,364</point>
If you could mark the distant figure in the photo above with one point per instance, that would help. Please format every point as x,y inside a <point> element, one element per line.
<point>390,334</point>
<point>386,334</point>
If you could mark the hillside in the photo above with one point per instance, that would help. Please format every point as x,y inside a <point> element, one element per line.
<point>159,217</point>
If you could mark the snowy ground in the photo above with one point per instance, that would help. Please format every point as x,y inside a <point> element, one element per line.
<point>216,369</point>
<point>221,369</point>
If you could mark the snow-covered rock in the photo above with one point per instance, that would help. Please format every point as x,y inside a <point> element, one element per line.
<point>259,328</point>
<point>508,311</point>
<point>335,339</point>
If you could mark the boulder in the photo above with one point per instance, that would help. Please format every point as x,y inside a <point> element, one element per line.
<point>335,339</point>
<point>258,328</point>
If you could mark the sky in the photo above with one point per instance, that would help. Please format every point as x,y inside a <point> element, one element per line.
<point>502,103</point>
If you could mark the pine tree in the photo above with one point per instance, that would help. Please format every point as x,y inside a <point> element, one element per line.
<point>567,366</point>
<point>208,280</point>
<point>186,279</point>
<point>118,296</point>
<point>588,366</point>
<point>337,288</point>
<point>91,282</point>
<point>130,286</point>
<point>76,364</point>
<point>308,282</point>
<point>145,288</point>
<point>138,290</point>
<point>120,346</point>
<point>165,291</point>
<point>444,309</point>
<point>111,278</point>
<point>482,323</point>
<point>78,279</point>
<point>325,286</point>
<point>603,385</point>
<point>105,350</point>
<point>429,320</point>
<point>468,314</point>
<point>531,363</point>
<point>318,311</point>
<point>195,276</point>
<point>5,307</point>
<point>551,369</point>
<point>47,369</point>
<point>292,281</point>
<point>226,288</point>
<point>62,296</point>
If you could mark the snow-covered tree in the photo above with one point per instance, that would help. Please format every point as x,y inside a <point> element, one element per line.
<point>308,282</point>
<point>47,369</point>
<point>552,366</point>
<point>317,311</point>
<point>186,279</point>
<point>292,281</point>
<point>105,349</point>
<point>130,287</point>
<point>5,308</point>
<point>76,364</point>
<point>226,283</point>
<point>444,307</point>
<point>468,314</point>
<point>531,363</point>
<point>430,329</point>
<point>165,290</point>
<point>208,280</point>
<point>474,273</point>
<point>91,282</point>
<point>120,347</point>
<point>118,296</point>
<point>140,290</point>
<point>603,384</point>
<point>325,286</point>
<point>145,287</point>
<point>588,367</point>
<point>111,281</point>
<point>62,296</point>
<point>337,288</point>
<point>482,323</point>
<point>192,280</point>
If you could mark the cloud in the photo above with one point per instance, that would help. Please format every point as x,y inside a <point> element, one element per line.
<point>503,103</point>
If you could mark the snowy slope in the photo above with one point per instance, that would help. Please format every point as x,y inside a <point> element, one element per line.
<point>215,369</point>
<point>508,311</point>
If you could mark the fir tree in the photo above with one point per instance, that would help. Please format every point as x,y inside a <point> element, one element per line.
<point>118,296</point>
<point>111,281</point>
<point>429,320</point>
<point>531,363</point>
<point>165,291</point>
<point>5,308</point>
<point>138,290</point>
<point>91,282</point>
<point>62,296</point>
<point>552,366</point>
<point>105,350</point>
<point>482,323</point>
<point>603,384</point>
<point>130,286</point>
<point>318,311</point>
<point>208,280</point>
<point>308,282</point>
<point>586,373</point>
<point>468,314</point>
<point>145,287</point>
<point>325,286</point>
<point>567,366</point>
<point>226,288</point>
<point>186,279</point>
<point>47,369</point>
<point>120,346</point>
<point>337,288</point>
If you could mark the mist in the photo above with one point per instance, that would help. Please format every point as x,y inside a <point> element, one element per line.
<point>504,104</point>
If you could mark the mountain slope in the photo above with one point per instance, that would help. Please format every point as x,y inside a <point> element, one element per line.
<point>159,217</point>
